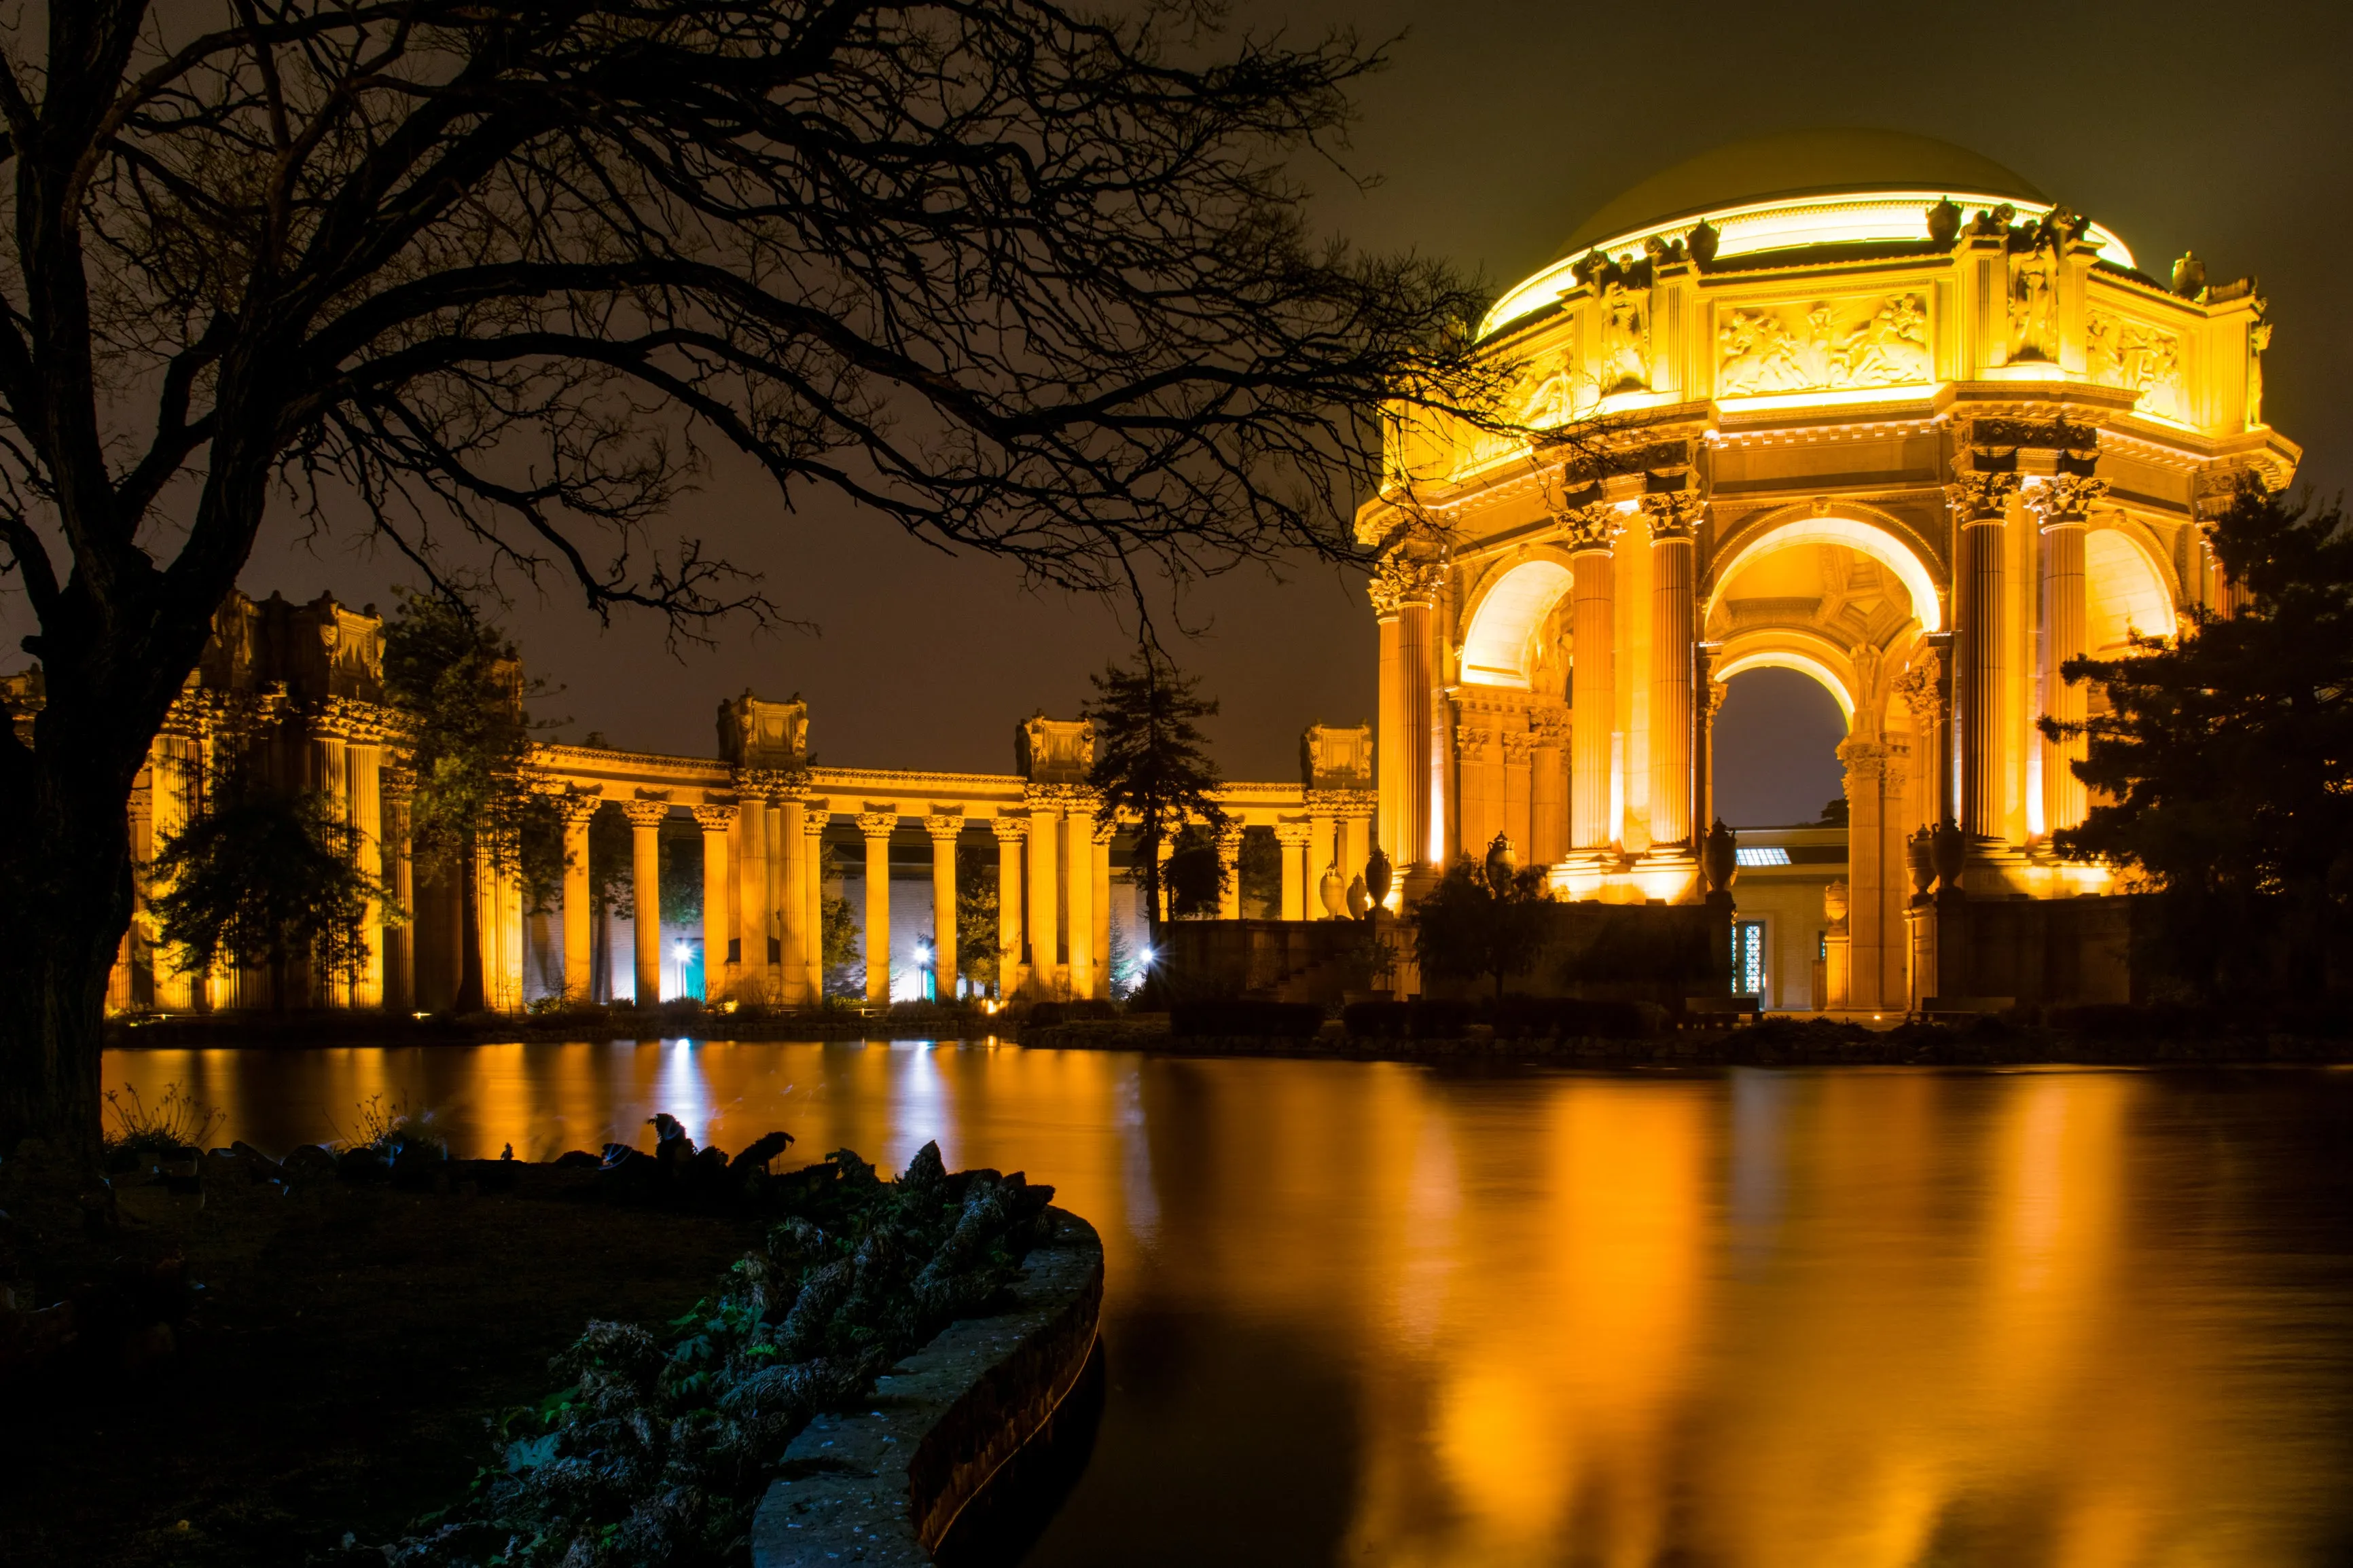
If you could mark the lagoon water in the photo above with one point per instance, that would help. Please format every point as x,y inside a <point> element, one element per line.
<point>1387,1315</point>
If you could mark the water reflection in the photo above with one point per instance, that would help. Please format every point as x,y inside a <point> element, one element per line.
<point>1373,1314</point>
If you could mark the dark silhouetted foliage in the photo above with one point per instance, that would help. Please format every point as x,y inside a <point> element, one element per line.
<point>1472,926</point>
<point>2221,769</point>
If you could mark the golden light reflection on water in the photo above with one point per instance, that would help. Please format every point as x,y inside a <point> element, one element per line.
<point>1373,1314</point>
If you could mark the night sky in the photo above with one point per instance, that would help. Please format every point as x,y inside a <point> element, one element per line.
<point>1497,128</point>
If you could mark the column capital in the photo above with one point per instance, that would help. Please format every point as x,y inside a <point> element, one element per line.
<point>1673,514</point>
<point>713,818</point>
<point>1921,691</point>
<point>1292,834</point>
<point>1865,758</point>
<point>815,812</point>
<point>877,824</point>
<point>576,809</point>
<point>1009,829</point>
<point>1402,580</point>
<point>1592,528</point>
<point>1106,828</point>
<point>645,813</point>
<point>1229,837</point>
<point>2065,501</point>
<point>1980,497</point>
<point>1519,745</point>
<point>1549,726</point>
<point>943,825</point>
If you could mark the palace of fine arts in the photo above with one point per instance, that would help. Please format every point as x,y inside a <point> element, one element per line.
<point>799,783</point>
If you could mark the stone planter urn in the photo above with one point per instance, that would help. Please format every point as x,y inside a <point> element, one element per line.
<point>1334,892</point>
<point>1717,860</point>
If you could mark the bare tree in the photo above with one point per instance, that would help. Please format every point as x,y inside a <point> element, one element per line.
<point>1023,280</point>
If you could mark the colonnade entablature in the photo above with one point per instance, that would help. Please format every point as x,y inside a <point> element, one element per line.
<point>1923,441</point>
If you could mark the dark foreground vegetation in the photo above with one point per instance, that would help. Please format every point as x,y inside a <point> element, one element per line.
<point>376,1355</point>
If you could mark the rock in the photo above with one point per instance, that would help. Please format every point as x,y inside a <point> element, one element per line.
<point>762,1149</point>
<point>307,1163</point>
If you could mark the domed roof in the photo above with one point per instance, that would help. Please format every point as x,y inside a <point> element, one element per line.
<point>1793,164</point>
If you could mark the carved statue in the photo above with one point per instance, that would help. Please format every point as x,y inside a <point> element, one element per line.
<point>2259,338</point>
<point>1623,363</point>
<point>1824,343</point>
<point>2134,354</point>
<point>2035,303</point>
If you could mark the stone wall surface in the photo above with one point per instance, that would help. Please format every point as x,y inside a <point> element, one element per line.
<point>882,1486</point>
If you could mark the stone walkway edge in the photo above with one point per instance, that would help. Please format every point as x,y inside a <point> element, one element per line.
<point>880,1486</point>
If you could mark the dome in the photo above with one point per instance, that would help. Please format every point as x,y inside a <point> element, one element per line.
<point>1791,191</point>
<point>1796,163</point>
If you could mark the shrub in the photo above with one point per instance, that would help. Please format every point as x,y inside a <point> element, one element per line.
<point>177,1125</point>
<point>1265,1020</point>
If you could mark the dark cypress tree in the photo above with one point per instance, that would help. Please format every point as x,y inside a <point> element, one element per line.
<point>1150,760</point>
<point>2222,768</point>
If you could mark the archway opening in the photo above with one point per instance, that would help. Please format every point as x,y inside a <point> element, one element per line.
<point>1775,748</point>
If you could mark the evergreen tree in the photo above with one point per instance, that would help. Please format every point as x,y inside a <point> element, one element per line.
<point>458,687</point>
<point>2222,768</point>
<point>265,877</point>
<point>977,917</point>
<point>1150,760</point>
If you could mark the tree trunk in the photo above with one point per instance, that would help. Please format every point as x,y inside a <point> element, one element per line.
<point>65,902</point>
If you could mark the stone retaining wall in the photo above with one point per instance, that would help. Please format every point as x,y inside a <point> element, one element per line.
<point>883,1485</point>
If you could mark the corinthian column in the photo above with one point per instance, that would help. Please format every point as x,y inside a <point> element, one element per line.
<point>1866,846</point>
<point>714,821</point>
<point>752,906</point>
<point>1547,802</point>
<point>400,870</point>
<point>1672,517</point>
<point>1405,593</point>
<point>876,826</point>
<point>1010,831</point>
<point>1045,894</point>
<point>1979,502</point>
<point>1292,837</point>
<point>2062,505</point>
<point>944,827</point>
<point>816,813</point>
<point>792,898</point>
<point>1230,871</point>
<point>1593,726</point>
<point>1078,839</point>
<point>579,957</point>
<point>645,874</point>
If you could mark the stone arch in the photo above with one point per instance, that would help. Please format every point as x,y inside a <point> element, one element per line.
<point>1877,534</point>
<point>1504,613</point>
<point>1789,647</point>
<point>2128,586</point>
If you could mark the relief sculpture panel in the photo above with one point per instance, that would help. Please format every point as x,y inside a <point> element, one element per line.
<point>1823,344</point>
<point>2128,353</point>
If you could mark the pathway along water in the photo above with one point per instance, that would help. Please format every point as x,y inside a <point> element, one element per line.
<point>1381,1314</point>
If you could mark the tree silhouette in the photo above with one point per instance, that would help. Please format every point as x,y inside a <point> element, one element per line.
<point>502,271</point>
<point>1152,762</point>
<point>1483,919</point>
<point>2222,768</point>
<point>265,879</point>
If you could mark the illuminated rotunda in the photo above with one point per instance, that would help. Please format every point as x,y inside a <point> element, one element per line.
<point>1863,406</point>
